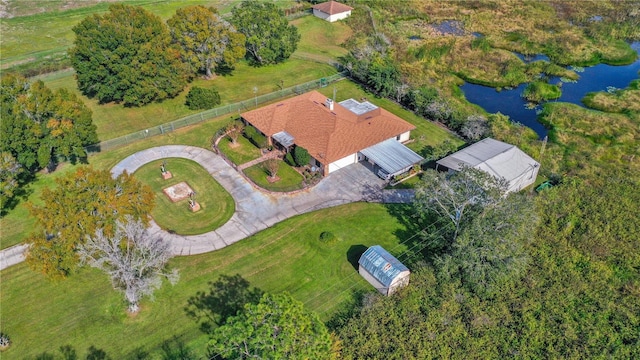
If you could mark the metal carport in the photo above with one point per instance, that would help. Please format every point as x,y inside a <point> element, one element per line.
<point>392,157</point>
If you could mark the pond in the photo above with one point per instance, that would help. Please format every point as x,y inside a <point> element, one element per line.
<point>509,102</point>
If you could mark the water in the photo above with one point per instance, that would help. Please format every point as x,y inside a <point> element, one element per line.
<point>450,27</point>
<point>509,101</point>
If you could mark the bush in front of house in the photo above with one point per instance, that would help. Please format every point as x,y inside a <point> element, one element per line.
<point>255,137</point>
<point>199,98</point>
<point>289,159</point>
<point>328,237</point>
<point>301,156</point>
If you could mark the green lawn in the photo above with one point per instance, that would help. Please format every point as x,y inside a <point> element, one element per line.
<point>37,35</point>
<point>217,205</point>
<point>243,152</point>
<point>320,39</point>
<point>115,120</point>
<point>84,310</point>
<point>290,179</point>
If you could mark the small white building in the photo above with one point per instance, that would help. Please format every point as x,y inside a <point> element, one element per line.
<point>497,158</point>
<point>382,270</point>
<point>332,11</point>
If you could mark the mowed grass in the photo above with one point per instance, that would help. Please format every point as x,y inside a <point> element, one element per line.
<point>26,37</point>
<point>17,224</point>
<point>288,178</point>
<point>84,310</point>
<point>320,39</point>
<point>216,204</point>
<point>242,152</point>
<point>114,120</point>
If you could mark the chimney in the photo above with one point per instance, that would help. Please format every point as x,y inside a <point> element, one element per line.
<point>329,104</point>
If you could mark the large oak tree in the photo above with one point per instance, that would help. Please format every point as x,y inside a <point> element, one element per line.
<point>270,38</point>
<point>206,39</point>
<point>38,125</point>
<point>277,327</point>
<point>126,56</point>
<point>81,203</point>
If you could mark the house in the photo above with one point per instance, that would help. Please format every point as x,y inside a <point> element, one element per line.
<point>337,134</point>
<point>331,11</point>
<point>497,158</point>
<point>382,270</point>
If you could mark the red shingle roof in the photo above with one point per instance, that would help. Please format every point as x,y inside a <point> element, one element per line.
<point>327,135</point>
<point>332,7</point>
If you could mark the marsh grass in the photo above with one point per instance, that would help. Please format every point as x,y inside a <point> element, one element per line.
<point>539,91</point>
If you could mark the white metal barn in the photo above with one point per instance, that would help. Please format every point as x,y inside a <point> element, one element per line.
<point>382,270</point>
<point>497,158</point>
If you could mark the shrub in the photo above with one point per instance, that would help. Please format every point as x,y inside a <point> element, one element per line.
<point>5,341</point>
<point>289,159</point>
<point>255,137</point>
<point>199,98</point>
<point>327,237</point>
<point>301,155</point>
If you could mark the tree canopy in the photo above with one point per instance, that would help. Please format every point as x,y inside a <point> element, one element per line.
<point>269,37</point>
<point>134,260</point>
<point>38,125</point>
<point>126,56</point>
<point>277,327</point>
<point>206,39</point>
<point>82,202</point>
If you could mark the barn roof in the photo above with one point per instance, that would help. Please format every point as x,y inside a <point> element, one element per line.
<point>332,7</point>
<point>495,157</point>
<point>381,265</point>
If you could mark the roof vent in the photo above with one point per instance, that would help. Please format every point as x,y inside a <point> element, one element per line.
<point>329,104</point>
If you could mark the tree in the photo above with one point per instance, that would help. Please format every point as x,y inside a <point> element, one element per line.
<point>205,38</point>
<point>277,327</point>
<point>9,172</point>
<point>82,202</point>
<point>491,251</point>
<point>475,128</point>
<point>270,38</point>
<point>199,98</point>
<point>301,155</point>
<point>454,197</point>
<point>134,260</point>
<point>38,125</point>
<point>271,167</point>
<point>234,129</point>
<point>126,56</point>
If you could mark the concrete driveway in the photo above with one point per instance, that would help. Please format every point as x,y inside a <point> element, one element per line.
<point>256,209</point>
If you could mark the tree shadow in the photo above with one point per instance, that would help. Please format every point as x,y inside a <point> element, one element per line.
<point>225,297</point>
<point>224,70</point>
<point>421,233</point>
<point>176,349</point>
<point>68,352</point>
<point>354,253</point>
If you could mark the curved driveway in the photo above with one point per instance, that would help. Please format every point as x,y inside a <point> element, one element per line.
<point>256,209</point>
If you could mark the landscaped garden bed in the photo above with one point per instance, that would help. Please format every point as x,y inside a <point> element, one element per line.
<point>289,178</point>
<point>241,152</point>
